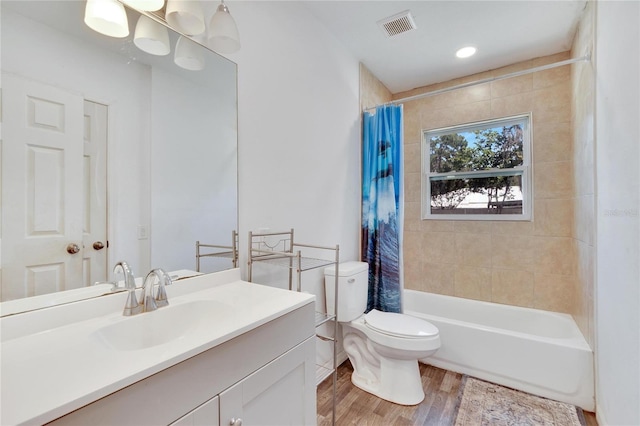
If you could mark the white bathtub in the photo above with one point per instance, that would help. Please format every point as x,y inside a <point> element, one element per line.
<point>540,352</point>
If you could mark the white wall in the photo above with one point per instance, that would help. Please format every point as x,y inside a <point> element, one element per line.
<point>299,134</point>
<point>618,213</point>
<point>299,146</point>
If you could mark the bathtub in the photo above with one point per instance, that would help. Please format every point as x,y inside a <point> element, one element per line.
<point>540,352</point>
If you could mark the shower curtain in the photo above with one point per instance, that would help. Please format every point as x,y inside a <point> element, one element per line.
<point>382,206</point>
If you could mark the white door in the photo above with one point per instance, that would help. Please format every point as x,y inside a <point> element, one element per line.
<point>43,189</point>
<point>94,169</point>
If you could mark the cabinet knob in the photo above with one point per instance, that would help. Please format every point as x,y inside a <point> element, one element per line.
<point>235,422</point>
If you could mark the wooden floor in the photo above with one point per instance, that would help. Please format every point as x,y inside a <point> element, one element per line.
<point>357,407</point>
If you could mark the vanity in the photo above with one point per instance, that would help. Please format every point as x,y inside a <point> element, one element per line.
<point>224,352</point>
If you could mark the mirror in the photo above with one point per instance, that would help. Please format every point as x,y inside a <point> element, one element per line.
<point>155,168</point>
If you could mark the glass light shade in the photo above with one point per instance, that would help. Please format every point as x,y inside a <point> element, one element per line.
<point>189,55</point>
<point>107,17</point>
<point>152,37</point>
<point>148,5</point>
<point>223,31</point>
<point>186,16</point>
<point>465,52</point>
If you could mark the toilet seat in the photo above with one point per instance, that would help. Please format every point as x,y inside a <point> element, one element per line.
<point>399,325</point>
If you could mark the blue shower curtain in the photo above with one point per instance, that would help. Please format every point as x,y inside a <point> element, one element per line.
<point>382,202</point>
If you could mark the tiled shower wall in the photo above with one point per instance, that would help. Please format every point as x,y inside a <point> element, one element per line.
<point>583,80</point>
<point>530,264</point>
<point>372,91</point>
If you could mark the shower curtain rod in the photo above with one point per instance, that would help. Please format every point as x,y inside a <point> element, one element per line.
<point>587,57</point>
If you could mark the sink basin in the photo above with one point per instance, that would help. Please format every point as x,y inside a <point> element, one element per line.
<point>161,326</point>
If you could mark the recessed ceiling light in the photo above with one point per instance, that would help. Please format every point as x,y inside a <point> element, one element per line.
<point>465,52</point>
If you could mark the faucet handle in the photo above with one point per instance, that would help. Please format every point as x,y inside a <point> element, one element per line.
<point>164,280</point>
<point>131,307</point>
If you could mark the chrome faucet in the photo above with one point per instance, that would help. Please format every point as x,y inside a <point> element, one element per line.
<point>131,307</point>
<point>149,302</point>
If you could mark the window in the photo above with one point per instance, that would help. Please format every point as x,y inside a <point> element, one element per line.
<point>478,171</point>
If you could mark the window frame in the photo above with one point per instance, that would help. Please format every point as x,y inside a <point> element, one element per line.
<point>525,170</point>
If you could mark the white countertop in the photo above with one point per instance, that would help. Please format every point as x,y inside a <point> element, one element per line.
<point>57,362</point>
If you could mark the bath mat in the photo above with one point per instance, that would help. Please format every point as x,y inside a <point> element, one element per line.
<point>483,403</point>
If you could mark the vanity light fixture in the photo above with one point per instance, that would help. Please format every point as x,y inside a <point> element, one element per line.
<point>107,17</point>
<point>465,52</point>
<point>223,31</point>
<point>188,54</point>
<point>151,37</point>
<point>146,5</point>
<point>186,16</point>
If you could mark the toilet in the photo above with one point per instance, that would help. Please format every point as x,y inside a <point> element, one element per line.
<point>383,347</point>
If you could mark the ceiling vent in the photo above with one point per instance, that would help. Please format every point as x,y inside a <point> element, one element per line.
<point>397,24</point>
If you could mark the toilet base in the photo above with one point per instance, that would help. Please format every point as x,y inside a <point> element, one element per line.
<point>394,379</point>
<point>399,382</point>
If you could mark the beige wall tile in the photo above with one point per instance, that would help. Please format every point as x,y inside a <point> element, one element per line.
<point>554,255</point>
<point>412,187</point>
<point>412,158</point>
<point>412,245</point>
<point>473,250</point>
<point>585,273</point>
<point>437,118</point>
<point>475,259</point>
<point>413,276</point>
<point>472,227</point>
<point>512,287</point>
<point>438,278</point>
<point>462,96</point>
<point>554,292</point>
<point>521,103</point>
<point>554,217</point>
<point>552,104</point>
<point>412,221</point>
<point>412,119</point>
<point>553,180</point>
<point>469,113</point>
<point>438,247</point>
<point>551,77</point>
<point>473,283</point>
<point>475,77</point>
<point>518,66</point>
<point>432,225</point>
<point>511,86</point>
<point>552,142</point>
<point>512,228</point>
<point>585,222</point>
<point>512,252</point>
<point>550,59</point>
<point>372,91</point>
<point>584,173</point>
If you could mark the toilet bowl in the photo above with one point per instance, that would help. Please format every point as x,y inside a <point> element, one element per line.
<point>383,347</point>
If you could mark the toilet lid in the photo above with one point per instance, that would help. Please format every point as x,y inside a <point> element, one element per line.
<point>399,324</point>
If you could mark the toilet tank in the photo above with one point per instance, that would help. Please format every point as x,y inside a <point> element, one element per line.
<point>353,287</point>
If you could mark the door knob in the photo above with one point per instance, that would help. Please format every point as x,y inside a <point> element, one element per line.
<point>98,245</point>
<point>73,248</point>
<point>235,422</point>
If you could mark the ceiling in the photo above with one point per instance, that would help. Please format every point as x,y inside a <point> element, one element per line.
<point>504,32</point>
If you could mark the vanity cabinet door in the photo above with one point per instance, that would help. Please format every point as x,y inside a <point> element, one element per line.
<point>208,414</point>
<point>281,393</point>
